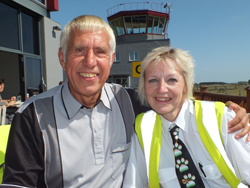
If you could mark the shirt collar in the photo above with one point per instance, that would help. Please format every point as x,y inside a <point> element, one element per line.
<point>72,106</point>
<point>105,97</point>
<point>182,119</point>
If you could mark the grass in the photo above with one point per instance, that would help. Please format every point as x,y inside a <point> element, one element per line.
<point>227,89</point>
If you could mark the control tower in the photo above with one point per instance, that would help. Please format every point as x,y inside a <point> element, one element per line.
<point>139,28</point>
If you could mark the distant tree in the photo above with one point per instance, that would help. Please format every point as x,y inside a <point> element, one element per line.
<point>248,82</point>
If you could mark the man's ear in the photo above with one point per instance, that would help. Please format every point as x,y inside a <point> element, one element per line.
<point>61,58</point>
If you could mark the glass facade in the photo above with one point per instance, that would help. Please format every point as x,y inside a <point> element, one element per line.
<point>32,73</point>
<point>156,24</point>
<point>161,25</point>
<point>30,34</point>
<point>143,23</point>
<point>150,23</point>
<point>137,24</point>
<point>9,34</point>
<point>117,26</point>
<point>128,24</point>
<point>11,29</point>
<point>19,46</point>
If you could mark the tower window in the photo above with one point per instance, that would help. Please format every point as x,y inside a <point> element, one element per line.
<point>133,56</point>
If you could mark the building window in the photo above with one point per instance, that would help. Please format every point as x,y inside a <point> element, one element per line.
<point>121,81</point>
<point>128,24</point>
<point>41,1</point>
<point>133,56</point>
<point>156,24</point>
<point>150,23</point>
<point>117,26</point>
<point>117,57</point>
<point>10,30</point>
<point>30,34</point>
<point>161,25</point>
<point>9,37</point>
<point>135,24</point>
<point>33,73</point>
<point>143,23</point>
<point>112,24</point>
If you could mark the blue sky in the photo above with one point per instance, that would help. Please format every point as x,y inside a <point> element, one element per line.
<point>215,32</point>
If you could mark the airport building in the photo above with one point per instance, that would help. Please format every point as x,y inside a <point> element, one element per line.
<point>139,28</point>
<point>29,42</point>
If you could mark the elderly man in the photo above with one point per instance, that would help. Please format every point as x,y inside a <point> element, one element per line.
<point>78,133</point>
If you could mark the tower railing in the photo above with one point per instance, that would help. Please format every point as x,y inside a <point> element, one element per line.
<point>163,8</point>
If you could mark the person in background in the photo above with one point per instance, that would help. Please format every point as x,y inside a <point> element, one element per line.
<point>61,82</point>
<point>78,133</point>
<point>10,101</point>
<point>180,125</point>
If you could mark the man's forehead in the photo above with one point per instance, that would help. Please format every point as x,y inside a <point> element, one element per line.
<point>98,41</point>
<point>89,31</point>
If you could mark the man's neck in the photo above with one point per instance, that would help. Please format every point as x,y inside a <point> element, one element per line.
<point>90,102</point>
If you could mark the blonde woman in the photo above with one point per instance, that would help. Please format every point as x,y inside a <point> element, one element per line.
<point>158,157</point>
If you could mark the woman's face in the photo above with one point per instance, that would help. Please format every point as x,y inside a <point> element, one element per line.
<point>165,89</point>
<point>1,87</point>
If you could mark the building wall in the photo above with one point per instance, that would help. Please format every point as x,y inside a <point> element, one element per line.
<point>124,66</point>
<point>52,67</point>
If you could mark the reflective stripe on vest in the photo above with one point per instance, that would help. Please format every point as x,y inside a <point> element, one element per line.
<point>4,135</point>
<point>210,140</point>
<point>151,144</point>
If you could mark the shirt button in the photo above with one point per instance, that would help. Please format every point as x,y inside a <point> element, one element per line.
<point>95,130</point>
<point>97,143</point>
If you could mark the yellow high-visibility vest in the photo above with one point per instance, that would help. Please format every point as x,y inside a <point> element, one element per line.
<point>4,134</point>
<point>212,141</point>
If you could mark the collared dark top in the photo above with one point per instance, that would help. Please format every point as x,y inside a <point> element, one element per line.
<point>57,143</point>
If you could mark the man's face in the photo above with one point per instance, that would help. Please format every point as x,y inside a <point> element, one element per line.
<point>87,63</point>
<point>1,87</point>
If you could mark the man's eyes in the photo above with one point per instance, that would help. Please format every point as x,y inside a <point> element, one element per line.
<point>79,50</point>
<point>98,51</point>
